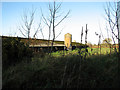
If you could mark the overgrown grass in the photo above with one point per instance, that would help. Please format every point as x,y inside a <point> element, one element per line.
<point>64,70</point>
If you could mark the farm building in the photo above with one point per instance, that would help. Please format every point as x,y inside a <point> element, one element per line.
<point>38,44</point>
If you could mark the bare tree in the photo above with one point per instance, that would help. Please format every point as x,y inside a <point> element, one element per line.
<point>112,16</point>
<point>51,20</point>
<point>27,25</point>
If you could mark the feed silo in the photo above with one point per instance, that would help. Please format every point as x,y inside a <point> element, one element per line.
<point>68,41</point>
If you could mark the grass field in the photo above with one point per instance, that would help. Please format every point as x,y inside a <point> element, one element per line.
<point>65,69</point>
<point>91,51</point>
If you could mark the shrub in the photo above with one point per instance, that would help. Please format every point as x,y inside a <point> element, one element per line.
<point>13,51</point>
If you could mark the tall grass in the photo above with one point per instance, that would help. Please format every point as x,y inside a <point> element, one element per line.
<point>69,71</point>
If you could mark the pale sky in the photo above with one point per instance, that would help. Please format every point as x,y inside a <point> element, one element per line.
<point>82,13</point>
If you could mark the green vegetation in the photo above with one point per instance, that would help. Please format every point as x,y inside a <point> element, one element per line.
<point>63,69</point>
<point>91,51</point>
<point>14,51</point>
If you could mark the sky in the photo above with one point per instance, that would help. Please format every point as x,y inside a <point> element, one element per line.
<point>81,13</point>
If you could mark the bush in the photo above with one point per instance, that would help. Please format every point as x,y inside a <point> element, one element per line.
<point>13,51</point>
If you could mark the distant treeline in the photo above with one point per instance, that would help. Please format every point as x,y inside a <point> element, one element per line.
<point>105,46</point>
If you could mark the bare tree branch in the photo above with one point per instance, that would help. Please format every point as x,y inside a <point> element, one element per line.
<point>63,18</point>
<point>59,33</point>
<point>23,28</point>
<point>58,7</point>
<point>101,30</point>
<point>44,19</point>
<point>22,32</point>
<point>37,30</point>
<point>42,33</point>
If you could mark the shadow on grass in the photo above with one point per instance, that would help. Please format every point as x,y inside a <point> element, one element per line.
<point>70,71</point>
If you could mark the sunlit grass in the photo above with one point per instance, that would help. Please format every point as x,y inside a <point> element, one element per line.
<point>91,51</point>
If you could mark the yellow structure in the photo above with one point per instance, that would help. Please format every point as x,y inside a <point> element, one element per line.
<point>74,40</point>
<point>68,40</point>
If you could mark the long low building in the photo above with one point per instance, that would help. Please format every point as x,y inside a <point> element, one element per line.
<point>38,44</point>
